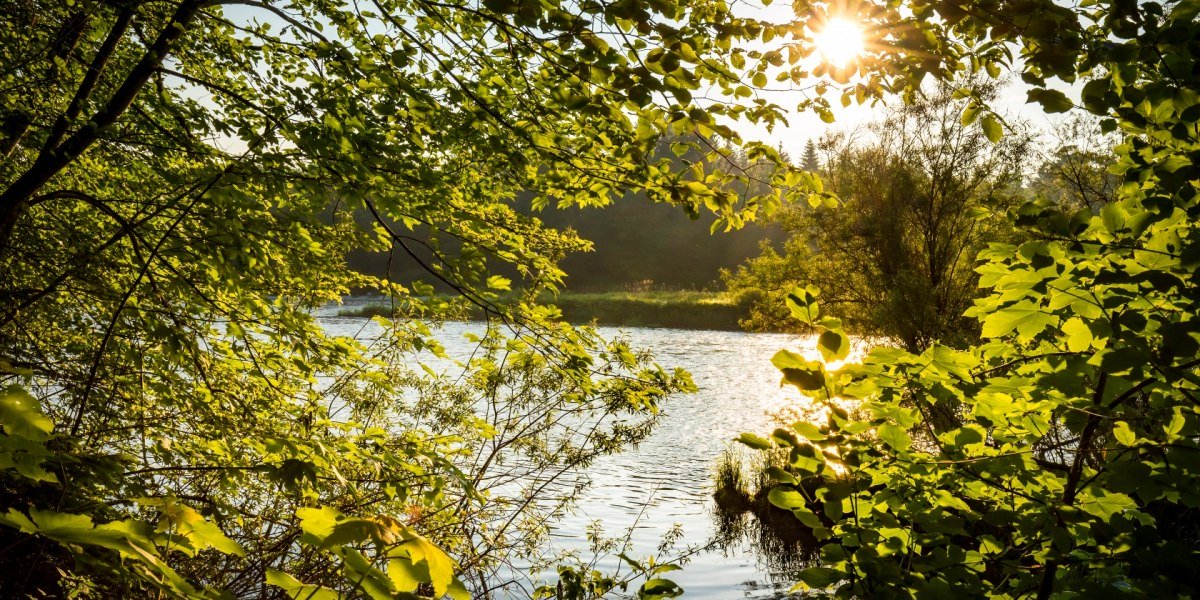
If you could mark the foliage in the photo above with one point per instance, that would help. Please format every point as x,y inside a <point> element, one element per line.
<point>1061,455</point>
<point>444,464</point>
<point>181,183</point>
<point>582,579</point>
<point>631,239</point>
<point>921,194</point>
<point>583,584</point>
<point>178,186</point>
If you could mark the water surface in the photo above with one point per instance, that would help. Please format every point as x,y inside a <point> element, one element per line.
<point>666,480</point>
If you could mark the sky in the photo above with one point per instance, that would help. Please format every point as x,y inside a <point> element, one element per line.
<point>801,126</point>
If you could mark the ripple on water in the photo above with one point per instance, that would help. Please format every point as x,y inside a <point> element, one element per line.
<point>666,479</point>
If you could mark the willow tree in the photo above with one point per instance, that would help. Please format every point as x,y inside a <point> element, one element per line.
<point>179,188</point>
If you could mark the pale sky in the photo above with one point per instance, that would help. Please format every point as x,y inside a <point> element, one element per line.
<point>807,125</point>
<point>803,126</point>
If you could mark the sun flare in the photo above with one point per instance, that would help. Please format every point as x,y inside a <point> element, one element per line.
<point>839,42</point>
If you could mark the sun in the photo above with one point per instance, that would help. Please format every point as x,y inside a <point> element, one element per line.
<point>839,41</point>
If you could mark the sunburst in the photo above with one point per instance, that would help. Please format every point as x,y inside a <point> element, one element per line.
<point>839,41</point>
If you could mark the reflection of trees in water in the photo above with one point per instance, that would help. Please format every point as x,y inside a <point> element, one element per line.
<point>782,546</point>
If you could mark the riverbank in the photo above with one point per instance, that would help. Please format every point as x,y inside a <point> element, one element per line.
<point>677,309</point>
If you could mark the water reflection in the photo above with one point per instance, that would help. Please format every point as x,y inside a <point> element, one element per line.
<point>782,546</point>
<point>665,484</point>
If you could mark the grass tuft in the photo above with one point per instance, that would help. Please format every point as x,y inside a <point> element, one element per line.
<point>728,473</point>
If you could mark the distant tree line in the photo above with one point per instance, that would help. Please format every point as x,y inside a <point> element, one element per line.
<point>922,193</point>
<point>635,244</point>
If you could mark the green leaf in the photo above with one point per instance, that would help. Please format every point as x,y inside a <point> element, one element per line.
<point>1103,504</point>
<point>21,415</point>
<point>786,498</point>
<point>658,588</point>
<point>820,577</point>
<point>206,534</point>
<point>458,591</point>
<point>1079,335</point>
<point>61,526</point>
<point>497,282</point>
<point>441,568</point>
<point>1027,318</point>
<point>965,437</point>
<point>805,379</point>
<point>779,475</point>
<point>28,464</point>
<point>808,430</point>
<point>1176,424</point>
<point>802,302</point>
<point>833,345</point>
<point>1124,433</point>
<point>405,574</point>
<point>946,500</point>
<point>992,128</point>
<point>17,520</point>
<point>353,531</point>
<point>798,371</point>
<point>754,441</point>
<point>368,579</point>
<point>860,388</point>
<point>130,538</point>
<point>295,589</point>
<point>318,522</point>
<point>1113,217</point>
<point>894,436</point>
<point>806,464</point>
<point>1052,101</point>
<point>807,517</point>
<point>969,114</point>
<point>990,546</point>
<point>949,360</point>
<point>786,359</point>
<point>829,323</point>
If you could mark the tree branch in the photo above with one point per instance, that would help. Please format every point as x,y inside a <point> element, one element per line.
<point>15,200</point>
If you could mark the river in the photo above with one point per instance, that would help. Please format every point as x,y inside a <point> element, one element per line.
<point>666,480</point>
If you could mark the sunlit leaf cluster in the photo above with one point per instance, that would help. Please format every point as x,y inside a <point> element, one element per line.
<point>1057,457</point>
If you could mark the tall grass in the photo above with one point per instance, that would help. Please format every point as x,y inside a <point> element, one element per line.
<point>729,474</point>
<point>745,473</point>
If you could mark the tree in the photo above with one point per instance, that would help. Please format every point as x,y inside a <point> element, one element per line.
<point>1075,173</point>
<point>1071,467</point>
<point>178,192</point>
<point>811,162</point>
<point>635,241</point>
<point>921,194</point>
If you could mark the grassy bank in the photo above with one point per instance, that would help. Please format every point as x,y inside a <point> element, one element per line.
<point>683,310</point>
